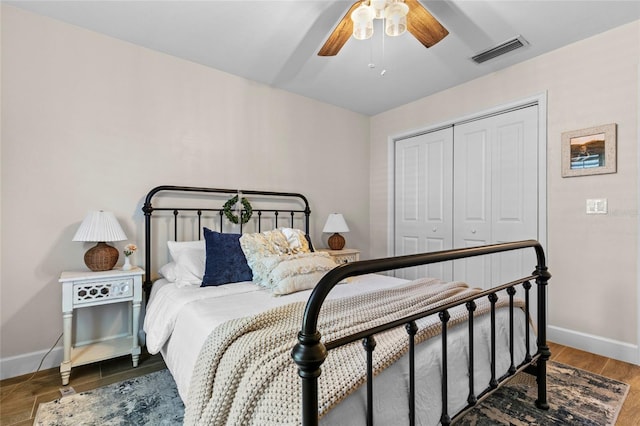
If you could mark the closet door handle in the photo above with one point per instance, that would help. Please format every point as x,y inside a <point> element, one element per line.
<point>473,231</point>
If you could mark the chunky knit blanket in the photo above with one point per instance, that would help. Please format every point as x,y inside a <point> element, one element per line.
<point>245,374</point>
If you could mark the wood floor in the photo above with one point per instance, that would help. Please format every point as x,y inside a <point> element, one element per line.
<point>20,399</point>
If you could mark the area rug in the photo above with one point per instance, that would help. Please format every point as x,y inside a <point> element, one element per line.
<point>575,397</point>
<point>151,399</point>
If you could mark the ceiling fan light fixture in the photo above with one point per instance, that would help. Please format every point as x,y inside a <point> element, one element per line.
<point>362,19</point>
<point>405,16</point>
<point>396,18</point>
<point>378,7</point>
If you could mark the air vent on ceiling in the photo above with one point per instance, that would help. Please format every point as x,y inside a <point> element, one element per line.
<point>501,49</point>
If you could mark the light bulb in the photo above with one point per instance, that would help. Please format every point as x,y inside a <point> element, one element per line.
<point>362,19</point>
<point>396,19</point>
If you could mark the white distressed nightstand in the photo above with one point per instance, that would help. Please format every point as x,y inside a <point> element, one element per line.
<point>344,255</point>
<point>83,289</point>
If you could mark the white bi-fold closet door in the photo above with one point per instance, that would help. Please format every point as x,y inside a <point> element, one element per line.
<point>424,200</point>
<point>465,185</point>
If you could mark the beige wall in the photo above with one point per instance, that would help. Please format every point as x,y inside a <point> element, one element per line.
<point>593,259</point>
<point>90,122</point>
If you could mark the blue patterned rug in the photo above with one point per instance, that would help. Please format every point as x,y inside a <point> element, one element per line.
<point>575,397</point>
<point>151,399</point>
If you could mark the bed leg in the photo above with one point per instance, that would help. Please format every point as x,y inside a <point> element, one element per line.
<point>541,378</point>
<point>542,278</point>
<point>309,354</point>
<point>445,419</point>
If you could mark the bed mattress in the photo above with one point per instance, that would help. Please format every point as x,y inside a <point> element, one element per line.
<point>179,319</point>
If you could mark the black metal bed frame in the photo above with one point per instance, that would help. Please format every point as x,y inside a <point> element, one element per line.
<point>309,353</point>
<point>148,210</point>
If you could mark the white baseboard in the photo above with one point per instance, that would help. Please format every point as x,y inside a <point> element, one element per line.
<point>27,363</point>
<point>621,351</point>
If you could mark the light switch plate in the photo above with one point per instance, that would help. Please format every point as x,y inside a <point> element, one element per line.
<point>597,206</point>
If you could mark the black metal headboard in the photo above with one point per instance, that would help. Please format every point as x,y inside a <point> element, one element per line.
<point>215,199</point>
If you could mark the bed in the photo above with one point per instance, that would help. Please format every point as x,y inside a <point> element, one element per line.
<point>325,344</point>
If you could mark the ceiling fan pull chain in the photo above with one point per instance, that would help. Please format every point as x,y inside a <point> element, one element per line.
<point>372,63</point>
<point>384,70</point>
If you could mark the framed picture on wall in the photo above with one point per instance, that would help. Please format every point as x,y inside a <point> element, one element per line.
<point>589,151</point>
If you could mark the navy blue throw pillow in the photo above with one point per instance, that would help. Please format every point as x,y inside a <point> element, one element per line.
<point>224,262</point>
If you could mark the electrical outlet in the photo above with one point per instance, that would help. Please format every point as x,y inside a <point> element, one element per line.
<point>597,206</point>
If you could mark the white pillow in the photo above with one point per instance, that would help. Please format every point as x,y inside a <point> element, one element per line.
<point>168,271</point>
<point>189,259</point>
<point>175,247</point>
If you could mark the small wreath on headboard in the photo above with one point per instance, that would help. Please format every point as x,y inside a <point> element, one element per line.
<point>246,213</point>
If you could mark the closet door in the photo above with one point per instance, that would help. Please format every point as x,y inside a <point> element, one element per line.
<point>495,193</point>
<point>423,200</point>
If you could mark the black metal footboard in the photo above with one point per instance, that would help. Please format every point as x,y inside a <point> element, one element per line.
<point>310,353</point>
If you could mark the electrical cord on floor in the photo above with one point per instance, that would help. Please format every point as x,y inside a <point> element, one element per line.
<point>35,372</point>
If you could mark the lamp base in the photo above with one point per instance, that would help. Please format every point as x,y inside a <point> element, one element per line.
<point>336,242</point>
<point>102,257</point>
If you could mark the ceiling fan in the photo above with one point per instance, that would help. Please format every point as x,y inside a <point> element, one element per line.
<point>417,20</point>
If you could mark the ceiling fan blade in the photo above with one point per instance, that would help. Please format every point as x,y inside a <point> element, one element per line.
<point>340,34</point>
<point>423,25</point>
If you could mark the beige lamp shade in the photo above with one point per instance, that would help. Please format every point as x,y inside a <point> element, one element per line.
<point>335,224</point>
<point>101,227</point>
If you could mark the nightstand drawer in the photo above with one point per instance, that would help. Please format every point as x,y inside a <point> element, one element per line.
<point>347,258</point>
<point>344,255</point>
<point>90,292</point>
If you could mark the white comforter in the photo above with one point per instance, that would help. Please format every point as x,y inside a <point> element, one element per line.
<point>178,321</point>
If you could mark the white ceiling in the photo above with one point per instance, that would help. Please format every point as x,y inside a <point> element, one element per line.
<point>276,42</point>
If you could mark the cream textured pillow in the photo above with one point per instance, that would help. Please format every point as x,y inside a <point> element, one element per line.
<point>260,245</point>
<point>297,240</point>
<point>288,274</point>
<point>296,283</point>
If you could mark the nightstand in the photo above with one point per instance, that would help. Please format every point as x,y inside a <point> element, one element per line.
<point>84,289</point>
<point>344,255</point>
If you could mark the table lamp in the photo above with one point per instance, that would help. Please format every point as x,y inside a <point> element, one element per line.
<point>100,227</point>
<point>335,223</point>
